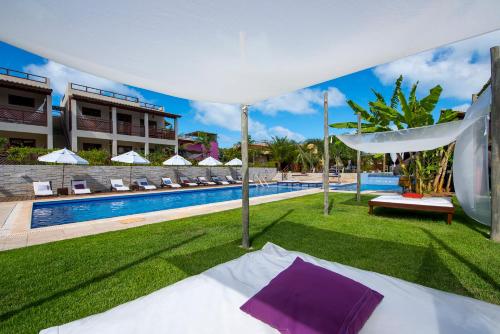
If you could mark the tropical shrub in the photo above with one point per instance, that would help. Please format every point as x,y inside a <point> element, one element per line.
<point>156,158</point>
<point>96,157</point>
<point>3,144</point>
<point>26,155</point>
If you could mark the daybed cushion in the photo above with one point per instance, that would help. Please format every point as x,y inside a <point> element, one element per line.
<point>210,303</point>
<point>81,191</point>
<point>43,187</point>
<point>307,299</point>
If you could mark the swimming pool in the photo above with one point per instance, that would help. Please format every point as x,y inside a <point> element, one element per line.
<point>373,187</point>
<point>79,210</point>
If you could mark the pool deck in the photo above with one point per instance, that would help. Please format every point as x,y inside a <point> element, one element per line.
<point>15,217</point>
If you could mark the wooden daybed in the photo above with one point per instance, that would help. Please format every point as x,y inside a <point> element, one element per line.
<point>431,204</point>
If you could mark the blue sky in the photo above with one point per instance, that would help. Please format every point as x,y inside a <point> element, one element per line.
<point>460,68</point>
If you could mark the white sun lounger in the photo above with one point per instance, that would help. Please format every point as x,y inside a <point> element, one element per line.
<point>79,187</point>
<point>218,180</point>
<point>42,189</point>
<point>210,303</point>
<point>117,184</point>
<point>186,182</point>
<point>204,181</point>
<point>144,184</point>
<point>230,179</point>
<point>167,182</point>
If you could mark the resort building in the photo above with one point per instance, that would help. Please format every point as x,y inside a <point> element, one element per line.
<point>98,119</point>
<point>25,109</point>
<point>198,145</point>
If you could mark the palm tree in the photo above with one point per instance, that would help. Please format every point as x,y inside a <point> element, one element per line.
<point>282,150</point>
<point>307,156</point>
<point>206,143</point>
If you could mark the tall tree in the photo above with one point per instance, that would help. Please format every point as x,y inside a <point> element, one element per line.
<point>206,143</point>
<point>282,149</point>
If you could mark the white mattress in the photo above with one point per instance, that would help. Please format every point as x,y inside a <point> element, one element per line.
<point>209,303</point>
<point>431,201</point>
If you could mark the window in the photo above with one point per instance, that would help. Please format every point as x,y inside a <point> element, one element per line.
<point>91,146</point>
<point>22,101</point>
<point>18,142</point>
<point>124,118</point>
<point>91,112</point>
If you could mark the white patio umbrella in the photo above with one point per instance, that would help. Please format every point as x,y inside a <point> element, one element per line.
<point>132,158</point>
<point>64,157</point>
<point>234,162</point>
<point>209,162</point>
<point>177,160</point>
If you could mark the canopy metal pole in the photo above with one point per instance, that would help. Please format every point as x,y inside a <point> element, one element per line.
<point>495,143</point>
<point>62,183</point>
<point>245,210</point>
<point>326,162</point>
<point>358,165</point>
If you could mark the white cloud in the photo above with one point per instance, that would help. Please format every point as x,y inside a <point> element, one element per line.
<point>462,107</point>
<point>228,117</point>
<point>60,75</point>
<point>280,131</point>
<point>461,68</point>
<point>303,101</point>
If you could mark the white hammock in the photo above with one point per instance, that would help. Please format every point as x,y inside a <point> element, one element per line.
<point>470,161</point>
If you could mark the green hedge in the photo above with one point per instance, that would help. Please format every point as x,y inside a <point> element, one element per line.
<point>95,157</point>
<point>26,155</point>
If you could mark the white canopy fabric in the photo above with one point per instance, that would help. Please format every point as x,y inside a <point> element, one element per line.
<point>63,156</point>
<point>236,51</point>
<point>210,161</point>
<point>234,162</point>
<point>408,140</point>
<point>470,163</point>
<point>176,160</point>
<point>470,160</point>
<point>131,157</point>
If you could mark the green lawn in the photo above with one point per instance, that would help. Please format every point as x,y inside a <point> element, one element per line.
<point>51,284</point>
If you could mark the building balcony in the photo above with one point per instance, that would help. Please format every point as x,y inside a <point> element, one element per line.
<point>126,128</point>
<point>161,133</point>
<point>93,124</point>
<point>122,128</point>
<point>9,114</point>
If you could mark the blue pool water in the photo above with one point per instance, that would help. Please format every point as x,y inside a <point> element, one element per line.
<point>373,187</point>
<point>72,211</point>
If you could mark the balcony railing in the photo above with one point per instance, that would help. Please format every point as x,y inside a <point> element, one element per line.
<point>103,92</point>
<point>23,116</point>
<point>126,128</point>
<point>93,124</point>
<point>22,75</point>
<point>115,95</point>
<point>150,106</point>
<point>161,133</point>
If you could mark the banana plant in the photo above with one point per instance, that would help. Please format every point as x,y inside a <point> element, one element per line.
<point>374,119</point>
<point>429,168</point>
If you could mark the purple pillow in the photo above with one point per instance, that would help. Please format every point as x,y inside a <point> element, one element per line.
<point>306,299</point>
<point>79,186</point>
